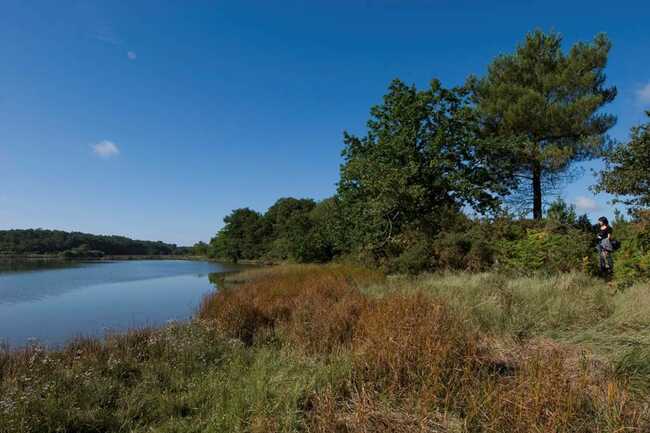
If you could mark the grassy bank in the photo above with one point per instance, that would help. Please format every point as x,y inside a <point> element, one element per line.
<point>342,349</point>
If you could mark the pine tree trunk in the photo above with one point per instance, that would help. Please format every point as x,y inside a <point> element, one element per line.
<point>537,191</point>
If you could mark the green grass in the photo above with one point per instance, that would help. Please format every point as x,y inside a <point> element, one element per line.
<point>439,352</point>
<point>179,378</point>
<point>571,308</point>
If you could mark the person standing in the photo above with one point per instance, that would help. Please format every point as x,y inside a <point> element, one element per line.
<point>605,247</point>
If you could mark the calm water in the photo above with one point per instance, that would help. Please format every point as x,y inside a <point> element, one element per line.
<point>53,302</point>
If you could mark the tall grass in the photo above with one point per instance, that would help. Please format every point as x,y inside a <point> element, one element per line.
<point>520,306</point>
<point>342,349</point>
<point>180,378</point>
<point>466,349</point>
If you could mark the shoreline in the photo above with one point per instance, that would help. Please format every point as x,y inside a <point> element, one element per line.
<point>56,257</point>
<point>53,257</point>
<point>290,340</point>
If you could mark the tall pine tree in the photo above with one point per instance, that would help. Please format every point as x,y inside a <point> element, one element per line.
<point>544,105</point>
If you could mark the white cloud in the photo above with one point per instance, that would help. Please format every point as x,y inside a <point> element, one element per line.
<point>586,204</point>
<point>643,94</point>
<point>106,149</point>
<point>131,55</point>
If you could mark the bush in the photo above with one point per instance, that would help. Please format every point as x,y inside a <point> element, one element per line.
<point>464,251</point>
<point>543,250</point>
<point>416,258</point>
<point>632,260</point>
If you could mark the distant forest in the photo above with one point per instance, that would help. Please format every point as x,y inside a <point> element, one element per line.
<point>72,244</point>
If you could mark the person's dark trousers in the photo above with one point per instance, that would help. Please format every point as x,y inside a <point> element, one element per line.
<point>605,261</point>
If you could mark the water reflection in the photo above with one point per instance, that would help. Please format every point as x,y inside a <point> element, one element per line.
<point>21,265</point>
<point>217,279</point>
<point>54,302</point>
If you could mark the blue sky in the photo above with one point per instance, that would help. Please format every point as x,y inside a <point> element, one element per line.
<point>155,119</point>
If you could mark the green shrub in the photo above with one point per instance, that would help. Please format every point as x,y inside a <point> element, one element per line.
<point>451,249</point>
<point>415,259</point>
<point>543,250</point>
<point>632,261</point>
<point>470,250</point>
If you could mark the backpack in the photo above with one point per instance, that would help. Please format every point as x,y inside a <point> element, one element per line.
<point>616,244</point>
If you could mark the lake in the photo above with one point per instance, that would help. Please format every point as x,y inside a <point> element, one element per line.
<point>52,302</point>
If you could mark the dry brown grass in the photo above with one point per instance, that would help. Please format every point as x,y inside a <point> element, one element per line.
<point>544,393</point>
<point>315,307</point>
<point>366,411</point>
<point>403,343</point>
<point>416,366</point>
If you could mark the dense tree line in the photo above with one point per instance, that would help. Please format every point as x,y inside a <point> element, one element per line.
<point>441,174</point>
<point>291,229</point>
<point>39,241</point>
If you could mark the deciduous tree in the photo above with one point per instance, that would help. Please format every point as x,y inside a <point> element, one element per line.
<point>627,169</point>
<point>242,236</point>
<point>419,158</point>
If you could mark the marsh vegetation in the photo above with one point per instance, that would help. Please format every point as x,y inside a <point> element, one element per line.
<point>339,348</point>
